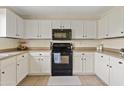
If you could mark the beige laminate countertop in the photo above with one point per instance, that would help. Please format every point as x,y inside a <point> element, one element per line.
<point>5,55</point>
<point>113,54</point>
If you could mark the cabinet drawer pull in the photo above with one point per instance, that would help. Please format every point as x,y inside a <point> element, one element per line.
<point>3,72</point>
<point>40,54</point>
<point>110,66</point>
<point>122,32</point>
<point>82,53</point>
<point>23,56</point>
<point>120,62</point>
<point>17,64</point>
<point>102,56</point>
<point>107,65</point>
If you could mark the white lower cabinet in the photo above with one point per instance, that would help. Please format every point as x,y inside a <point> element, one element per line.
<point>8,72</point>
<point>109,69</point>
<point>83,63</point>
<point>102,67</point>
<point>22,67</point>
<point>40,63</point>
<point>116,71</point>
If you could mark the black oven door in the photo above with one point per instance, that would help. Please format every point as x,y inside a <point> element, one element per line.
<point>64,66</point>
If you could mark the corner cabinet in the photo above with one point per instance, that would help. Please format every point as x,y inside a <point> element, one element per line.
<point>112,24</point>
<point>83,63</point>
<point>116,71</point>
<point>102,67</point>
<point>10,24</point>
<point>8,72</point>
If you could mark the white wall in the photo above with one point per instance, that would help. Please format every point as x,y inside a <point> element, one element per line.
<point>116,43</point>
<point>6,43</point>
<point>76,43</point>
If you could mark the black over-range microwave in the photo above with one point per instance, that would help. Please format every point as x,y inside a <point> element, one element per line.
<point>61,34</point>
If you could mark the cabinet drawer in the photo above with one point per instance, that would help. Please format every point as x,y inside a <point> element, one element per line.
<point>22,56</point>
<point>40,53</point>
<point>6,62</point>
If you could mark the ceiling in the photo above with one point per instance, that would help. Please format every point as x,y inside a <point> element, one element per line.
<point>60,12</point>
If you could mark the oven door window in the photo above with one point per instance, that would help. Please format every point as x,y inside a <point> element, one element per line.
<point>60,35</point>
<point>61,59</point>
<point>64,59</point>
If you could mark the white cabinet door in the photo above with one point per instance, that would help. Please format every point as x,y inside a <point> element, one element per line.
<point>89,29</point>
<point>8,72</point>
<point>103,27</point>
<point>20,27</point>
<point>45,30</point>
<point>66,24</point>
<point>116,22</point>
<point>61,24</point>
<point>46,65</point>
<point>116,72</point>
<point>97,64</point>
<point>31,29</point>
<point>77,29</point>
<point>77,63</point>
<point>56,24</point>
<point>35,65</point>
<point>10,24</point>
<point>102,67</point>
<point>19,71</point>
<point>88,61</point>
<point>22,67</point>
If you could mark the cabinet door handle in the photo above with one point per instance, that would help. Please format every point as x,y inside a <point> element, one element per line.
<point>17,64</point>
<point>107,65</point>
<point>101,56</point>
<point>122,32</point>
<point>110,66</point>
<point>84,58</point>
<point>3,72</point>
<point>106,34</point>
<point>120,62</point>
<point>23,56</point>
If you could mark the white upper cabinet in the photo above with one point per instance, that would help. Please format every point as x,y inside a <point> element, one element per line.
<point>116,22</point>
<point>31,29</point>
<point>11,25</point>
<point>112,24</point>
<point>19,27</point>
<point>61,24</point>
<point>89,31</point>
<point>103,27</point>
<point>45,31</point>
<point>77,29</point>
<point>38,29</point>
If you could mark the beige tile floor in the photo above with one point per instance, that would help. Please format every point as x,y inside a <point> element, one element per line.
<point>90,80</point>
